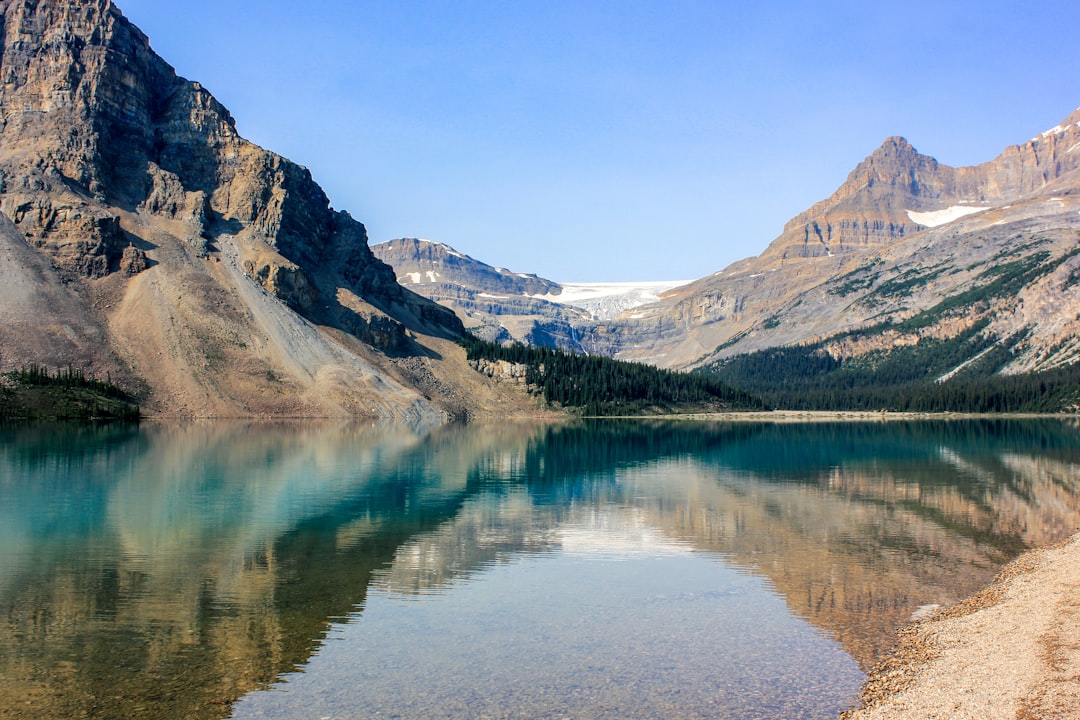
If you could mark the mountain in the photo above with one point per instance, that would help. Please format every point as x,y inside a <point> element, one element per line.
<point>144,238</point>
<point>494,303</point>
<point>501,306</point>
<point>904,237</point>
<point>498,305</point>
<point>907,249</point>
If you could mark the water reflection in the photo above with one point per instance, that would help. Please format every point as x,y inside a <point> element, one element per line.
<point>166,571</point>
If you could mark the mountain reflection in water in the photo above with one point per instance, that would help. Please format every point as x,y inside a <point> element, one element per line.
<point>165,571</point>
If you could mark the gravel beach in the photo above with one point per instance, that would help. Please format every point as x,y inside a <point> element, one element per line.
<point>1011,651</point>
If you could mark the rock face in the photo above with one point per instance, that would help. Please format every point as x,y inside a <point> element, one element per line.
<point>93,115</point>
<point>222,278</point>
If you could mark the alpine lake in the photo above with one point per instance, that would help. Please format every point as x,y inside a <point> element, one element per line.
<point>587,570</point>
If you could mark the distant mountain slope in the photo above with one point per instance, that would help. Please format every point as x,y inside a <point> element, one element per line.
<point>213,273</point>
<point>426,262</point>
<point>897,191</point>
<point>499,305</point>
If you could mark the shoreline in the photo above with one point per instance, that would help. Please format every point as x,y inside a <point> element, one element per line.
<point>835,416</point>
<point>559,415</point>
<point>1010,651</point>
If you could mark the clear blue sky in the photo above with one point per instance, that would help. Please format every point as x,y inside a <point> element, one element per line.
<point>615,140</point>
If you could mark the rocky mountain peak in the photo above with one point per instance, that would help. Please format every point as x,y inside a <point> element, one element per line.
<point>895,146</point>
<point>869,209</point>
<point>894,168</point>
<point>94,120</point>
<point>874,205</point>
<point>895,163</point>
<point>136,186</point>
<point>1069,126</point>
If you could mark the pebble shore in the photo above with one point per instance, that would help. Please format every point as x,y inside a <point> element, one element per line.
<point>1011,651</point>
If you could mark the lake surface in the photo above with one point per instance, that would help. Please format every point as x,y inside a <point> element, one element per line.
<point>613,569</point>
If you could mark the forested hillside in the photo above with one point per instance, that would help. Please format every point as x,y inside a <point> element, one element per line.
<point>602,386</point>
<point>35,393</point>
<point>960,374</point>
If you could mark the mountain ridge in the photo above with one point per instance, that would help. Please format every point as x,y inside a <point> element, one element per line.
<point>500,305</point>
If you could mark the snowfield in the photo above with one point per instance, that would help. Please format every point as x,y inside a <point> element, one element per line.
<point>606,301</point>
<point>940,217</point>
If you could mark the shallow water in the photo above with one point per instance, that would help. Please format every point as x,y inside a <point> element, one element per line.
<point>594,570</point>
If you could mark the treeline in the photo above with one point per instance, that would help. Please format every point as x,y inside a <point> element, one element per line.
<point>602,386</point>
<point>35,393</point>
<point>69,377</point>
<point>904,379</point>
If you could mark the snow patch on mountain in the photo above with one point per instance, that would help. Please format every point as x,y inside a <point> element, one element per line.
<point>606,301</point>
<point>1056,130</point>
<point>415,278</point>
<point>935,218</point>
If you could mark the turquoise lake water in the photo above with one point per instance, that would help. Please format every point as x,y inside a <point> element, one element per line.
<point>615,569</point>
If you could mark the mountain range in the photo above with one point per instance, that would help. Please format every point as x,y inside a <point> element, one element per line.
<point>144,240</point>
<point>902,236</point>
<point>499,305</point>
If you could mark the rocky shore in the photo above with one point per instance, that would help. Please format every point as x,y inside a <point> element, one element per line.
<point>1011,651</point>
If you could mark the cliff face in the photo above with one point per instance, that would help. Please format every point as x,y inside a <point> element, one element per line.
<point>222,278</point>
<point>90,111</point>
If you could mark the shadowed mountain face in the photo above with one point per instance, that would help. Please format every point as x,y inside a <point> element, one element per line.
<point>208,274</point>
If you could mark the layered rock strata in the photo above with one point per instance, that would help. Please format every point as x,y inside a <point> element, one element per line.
<point>222,280</point>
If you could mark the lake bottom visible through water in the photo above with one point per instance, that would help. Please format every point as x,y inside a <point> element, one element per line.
<point>575,636</point>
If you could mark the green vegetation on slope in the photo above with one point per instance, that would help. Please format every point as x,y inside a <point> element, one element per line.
<point>602,386</point>
<point>956,374</point>
<point>902,379</point>
<point>34,393</point>
<point>804,379</point>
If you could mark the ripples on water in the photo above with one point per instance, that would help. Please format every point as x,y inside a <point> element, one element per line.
<point>601,570</point>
